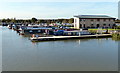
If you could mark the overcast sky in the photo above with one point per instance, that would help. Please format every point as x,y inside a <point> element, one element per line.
<point>45,10</point>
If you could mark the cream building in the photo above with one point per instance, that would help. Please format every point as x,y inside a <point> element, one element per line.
<point>93,21</point>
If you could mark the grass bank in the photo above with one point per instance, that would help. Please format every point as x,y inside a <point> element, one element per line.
<point>102,29</point>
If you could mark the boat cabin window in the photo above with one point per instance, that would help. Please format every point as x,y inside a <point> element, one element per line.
<point>39,30</point>
<point>30,31</point>
<point>35,27</point>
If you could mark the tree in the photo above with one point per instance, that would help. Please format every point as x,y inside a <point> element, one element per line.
<point>13,20</point>
<point>42,21</point>
<point>48,21</point>
<point>65,21</point>
<point>3,20</point>
<point>8,20</point>
<point>28,21</point>
<point>71,20</point>
<point>33,20</point>
<point>60,20</point>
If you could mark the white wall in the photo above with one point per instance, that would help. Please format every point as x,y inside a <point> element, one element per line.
<point>88,22</point>
<point>76,23</point>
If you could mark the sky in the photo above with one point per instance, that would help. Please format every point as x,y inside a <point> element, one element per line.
<point>52,10</point>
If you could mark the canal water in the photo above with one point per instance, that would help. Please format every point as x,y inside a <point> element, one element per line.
<point>20,54</point>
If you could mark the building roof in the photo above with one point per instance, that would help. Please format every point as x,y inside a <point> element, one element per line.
<point>93,16</point>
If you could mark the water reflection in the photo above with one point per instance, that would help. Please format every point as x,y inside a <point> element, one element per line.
<point>19,54</point>
<point>77,41</point>
<point>0,49</point>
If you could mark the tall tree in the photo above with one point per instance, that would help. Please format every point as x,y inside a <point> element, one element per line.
<point>33,20</point>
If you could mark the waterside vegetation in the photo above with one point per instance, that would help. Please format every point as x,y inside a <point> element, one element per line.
<point>116,36</point>
<point>37,21</point>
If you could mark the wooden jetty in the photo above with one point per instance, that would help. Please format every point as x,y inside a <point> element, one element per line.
<point>69,37</point>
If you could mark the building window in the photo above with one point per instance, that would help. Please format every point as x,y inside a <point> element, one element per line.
<point>80,25</point>
<point>88,26</point>
<point>98,25</point>
<point>91,19</point>
<point>109,26</point>
<point>84,26</point>
<point>104,19</point>
<point>98,19</point>
<point>80,19</point>
<point>83,19</point>
<point>104,24</point>
<point>92,25</point>
<point>112,19</point>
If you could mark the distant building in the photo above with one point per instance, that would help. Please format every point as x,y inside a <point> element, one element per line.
<point>119,10</point>
<point>117,22</point>
<point>93,21</point>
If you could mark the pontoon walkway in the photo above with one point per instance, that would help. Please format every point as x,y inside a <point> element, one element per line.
<point>69,37</point>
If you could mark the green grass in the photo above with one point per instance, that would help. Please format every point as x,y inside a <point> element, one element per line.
<point>103,29</point>
<point>96,30</point>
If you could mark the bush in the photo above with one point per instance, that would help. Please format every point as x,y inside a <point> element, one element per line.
<point>116,36</point>
<point>93,31</point>
<point>118,27</point>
